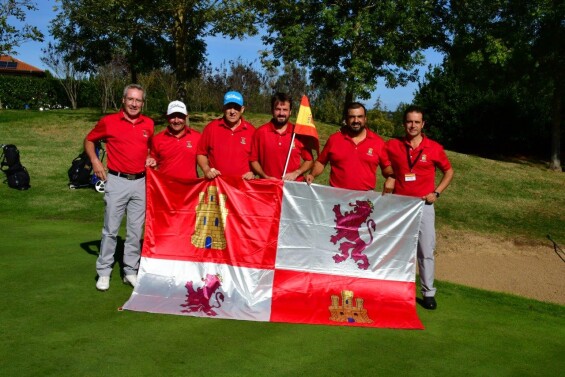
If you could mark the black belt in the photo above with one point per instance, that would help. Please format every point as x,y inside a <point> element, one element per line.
<point>131,177</point>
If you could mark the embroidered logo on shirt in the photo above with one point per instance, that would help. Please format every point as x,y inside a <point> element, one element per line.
<point>243,141</point>
<point>188,144</point>
<point>370,152</point>
<point>424,158</point>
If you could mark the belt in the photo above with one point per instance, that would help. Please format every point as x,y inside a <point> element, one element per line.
<point>131,177</point>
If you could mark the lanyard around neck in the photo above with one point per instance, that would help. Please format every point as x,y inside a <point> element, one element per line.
<point>411,163</point>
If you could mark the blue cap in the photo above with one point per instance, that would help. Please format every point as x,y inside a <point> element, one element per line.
<point>233,97</point>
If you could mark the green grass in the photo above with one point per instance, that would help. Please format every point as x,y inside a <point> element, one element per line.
<point>54,322</point>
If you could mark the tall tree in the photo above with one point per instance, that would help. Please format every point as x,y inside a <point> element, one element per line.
<point>350,42</point>
<point>11,36</point>
<point>504,45</point>
<point>293,81</point>
<point>150,33</point>
<point>65,71</point>
<point>110,80</point>
<point>93,33</point>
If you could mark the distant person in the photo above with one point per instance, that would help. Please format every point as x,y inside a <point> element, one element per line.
<point>225,145</point>
<point>354,153</point>
<point>414,159</point>
<point>173,151</point>
<point>271,145</point>
<point>127,135</point>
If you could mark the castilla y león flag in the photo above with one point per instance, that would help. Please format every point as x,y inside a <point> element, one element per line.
<point>265,250</point>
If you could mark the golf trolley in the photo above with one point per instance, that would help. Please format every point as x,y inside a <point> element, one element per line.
<point>81,174</point>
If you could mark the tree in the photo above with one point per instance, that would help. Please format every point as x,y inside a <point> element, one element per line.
<point>150,33</point>
<point>110,79</point>
<point>293,81</point>
<point>350,42</point>
<point>380,120</point>
<point>10,36</point>
<point>511,55</point>
<point>65,71</point>
<point>244,78</point>
<point>94,33</point>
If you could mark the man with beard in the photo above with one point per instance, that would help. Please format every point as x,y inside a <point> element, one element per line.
<point>272,144</point>
<point>127,134</point>
<point>354,154</point>
<point>173,151</point>
<point>225,145</point>
<point>414,159</point>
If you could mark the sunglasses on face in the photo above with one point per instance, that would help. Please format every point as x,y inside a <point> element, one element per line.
<point>176,115</point>
<point>234,106</point>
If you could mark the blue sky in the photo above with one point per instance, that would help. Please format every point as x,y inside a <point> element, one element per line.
<point>219,50</point>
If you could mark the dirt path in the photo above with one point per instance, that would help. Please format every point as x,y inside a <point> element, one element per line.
<point>525,268</point>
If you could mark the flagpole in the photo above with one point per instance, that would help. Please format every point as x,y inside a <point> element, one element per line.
<point>289,151</point>
<point>304,126</point>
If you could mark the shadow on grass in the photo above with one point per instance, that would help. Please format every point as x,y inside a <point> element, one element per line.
<point>531,161</point>
<point>93,248</point>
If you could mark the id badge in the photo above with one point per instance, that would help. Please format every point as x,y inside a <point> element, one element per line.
<point>410,177</point>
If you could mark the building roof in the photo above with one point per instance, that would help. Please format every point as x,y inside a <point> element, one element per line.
<point>12,66</point>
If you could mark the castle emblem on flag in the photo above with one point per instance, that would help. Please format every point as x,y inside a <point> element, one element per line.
<point>346,312</point>
<point>211,215</point>
<point>199,300</point>
<point>347,226</point>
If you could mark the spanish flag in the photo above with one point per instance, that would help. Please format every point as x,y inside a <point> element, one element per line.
<point>305,123</point>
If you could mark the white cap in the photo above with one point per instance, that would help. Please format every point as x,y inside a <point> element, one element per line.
<point>176,107</point>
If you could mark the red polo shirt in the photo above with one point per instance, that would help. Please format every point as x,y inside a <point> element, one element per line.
<point>270,149</point>
<point>228,151</point>
<point>127,143</point>
<point>354,166</point>
<point>418,180</point>
<point>176,157</point>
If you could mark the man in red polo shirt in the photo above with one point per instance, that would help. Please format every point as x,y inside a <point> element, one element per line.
<point>271,145</point>
<point>127,135</point>
<point>225,145</point>
<point>414,160</point>
<point>353,153</point>
<point>173,151</point>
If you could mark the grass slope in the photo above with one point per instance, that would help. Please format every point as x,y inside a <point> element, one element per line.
<point>53,322</point>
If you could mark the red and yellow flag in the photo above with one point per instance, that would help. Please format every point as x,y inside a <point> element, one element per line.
<point>305,123</point>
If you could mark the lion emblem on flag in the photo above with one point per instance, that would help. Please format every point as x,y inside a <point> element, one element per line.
<point>347,227</point>
<point>199,300</point>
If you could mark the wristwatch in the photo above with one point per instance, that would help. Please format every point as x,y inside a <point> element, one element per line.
<point>436,194</point>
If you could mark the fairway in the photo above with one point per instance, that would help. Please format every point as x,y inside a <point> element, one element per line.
<point>54,323</point>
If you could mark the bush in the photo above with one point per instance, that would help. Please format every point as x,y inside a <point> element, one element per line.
<point>19,92</point>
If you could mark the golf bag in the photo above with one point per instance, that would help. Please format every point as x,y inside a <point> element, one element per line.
<point>80,173</point>
<point>17,176</point>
